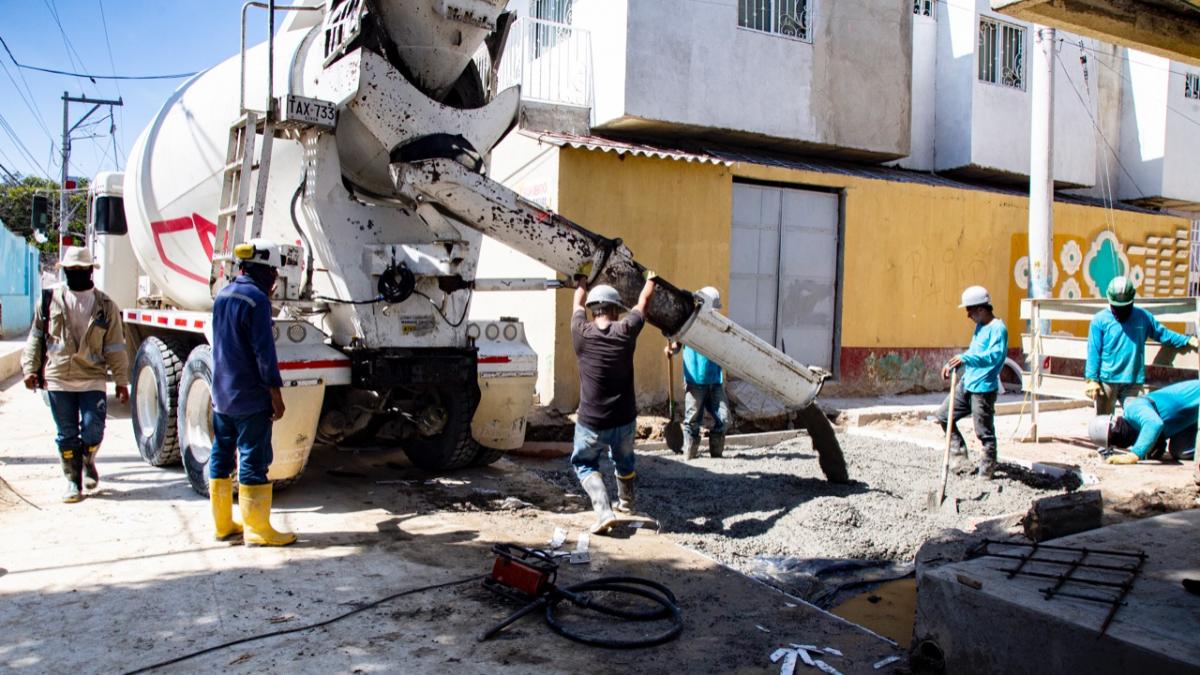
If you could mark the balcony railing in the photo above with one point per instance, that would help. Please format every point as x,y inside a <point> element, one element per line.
<point>551,61</point>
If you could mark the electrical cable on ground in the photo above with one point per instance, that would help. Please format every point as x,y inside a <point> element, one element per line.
<point>319,624</point>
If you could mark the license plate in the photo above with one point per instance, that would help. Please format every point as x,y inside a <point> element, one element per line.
<point>309,111</point>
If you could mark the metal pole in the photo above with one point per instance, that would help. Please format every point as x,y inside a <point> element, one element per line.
<point>66,158</point>
<point>1041,167</point>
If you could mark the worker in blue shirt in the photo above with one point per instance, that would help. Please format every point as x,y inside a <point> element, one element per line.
<point>1161,421</point>
<point>246,397</point>
<point>979,383</point>
<point>705,390</point>
<point>1116,360</point>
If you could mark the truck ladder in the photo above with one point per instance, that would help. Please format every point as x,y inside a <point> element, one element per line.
<point>236,190</point>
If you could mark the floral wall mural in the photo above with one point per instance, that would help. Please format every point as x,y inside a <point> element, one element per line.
<point>1158,266</point>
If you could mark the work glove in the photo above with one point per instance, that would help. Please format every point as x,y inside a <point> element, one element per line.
<point>1194,342</point>
<point>1091,389</point>
<point>1122,458</point>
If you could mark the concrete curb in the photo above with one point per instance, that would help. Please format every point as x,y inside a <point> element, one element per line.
<point>863,417</point>
<point>10,361</point>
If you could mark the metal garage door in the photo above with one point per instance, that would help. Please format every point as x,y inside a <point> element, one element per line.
<point>783,269</point>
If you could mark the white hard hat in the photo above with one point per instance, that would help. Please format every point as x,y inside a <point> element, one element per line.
<point>711,296</point>
<point>1098,430</point>
<point>975,295</point>
<point>603,295</point>
<point>77,256</point>
<point>260,251</point>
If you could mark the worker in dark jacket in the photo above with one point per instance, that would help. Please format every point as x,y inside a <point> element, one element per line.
<point>607,415</point>
<point>246,397</point>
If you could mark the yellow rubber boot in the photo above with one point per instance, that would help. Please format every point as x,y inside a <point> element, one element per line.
<point>255,501</point>
<point>220,496</point>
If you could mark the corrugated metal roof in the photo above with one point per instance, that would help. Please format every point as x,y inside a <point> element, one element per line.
<point>730,156</point>
<point>621,147</point>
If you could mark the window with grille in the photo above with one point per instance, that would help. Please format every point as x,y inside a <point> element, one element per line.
<point>923,7</point>
<point>783,17</point>
<point>546,36</point>
<point>1001,53</point>
<point>1191,86</point>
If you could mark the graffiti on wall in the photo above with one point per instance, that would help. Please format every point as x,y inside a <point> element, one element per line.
<point>1082,267</point>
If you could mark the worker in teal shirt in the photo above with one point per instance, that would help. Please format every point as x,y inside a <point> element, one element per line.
<point>1161,421</point>
<point>1116,360</point>
<point>705,391</point>
<point>979,384</point>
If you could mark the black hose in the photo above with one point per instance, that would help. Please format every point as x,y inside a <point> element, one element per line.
<point>308,249</point>
<point>668,609</point>
<point>578,594</point>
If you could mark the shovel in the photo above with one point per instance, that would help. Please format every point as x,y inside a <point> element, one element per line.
<point>935,499</point>
<point>673,434</point>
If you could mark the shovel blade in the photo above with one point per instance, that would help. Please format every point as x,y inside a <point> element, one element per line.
<point>673,434</point>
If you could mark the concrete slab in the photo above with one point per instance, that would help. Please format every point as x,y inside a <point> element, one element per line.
<point>982,621</point>
<point>10,358</point>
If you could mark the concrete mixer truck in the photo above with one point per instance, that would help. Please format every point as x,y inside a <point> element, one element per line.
<point>356,136</point>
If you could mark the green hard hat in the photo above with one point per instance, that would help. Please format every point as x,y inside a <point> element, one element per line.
<point>1120,292</point>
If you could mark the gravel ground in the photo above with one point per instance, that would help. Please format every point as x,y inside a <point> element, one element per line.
<point>773,501</point>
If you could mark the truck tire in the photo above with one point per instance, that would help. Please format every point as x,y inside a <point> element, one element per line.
<point>156,372</point>
<point>453,448</point>
<point>195,422</point>
<point>485,455</point>
<point>195,417</point>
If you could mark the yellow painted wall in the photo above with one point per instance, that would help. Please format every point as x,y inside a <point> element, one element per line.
<point>909,248</point>
<point>673,215</point>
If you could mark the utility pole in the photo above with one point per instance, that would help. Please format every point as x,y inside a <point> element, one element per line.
<point>1041,166</point>
<point>67,100</point>
<point>1041,194</point>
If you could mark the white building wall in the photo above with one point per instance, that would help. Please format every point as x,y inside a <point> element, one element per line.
<point>984,127</point>
<point>688,66</point>
<point>1181,170</point>
<point>531,169</point>
<point>1143,124</point>
<point>924,94</point>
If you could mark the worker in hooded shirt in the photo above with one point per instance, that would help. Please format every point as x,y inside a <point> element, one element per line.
<point>246,397</point>
<point>1116,360</point>
<point>82,341</point>
<point>975,394</point>
<point>705,391</point>
<point>1160,422</point>
<point>607,414</point>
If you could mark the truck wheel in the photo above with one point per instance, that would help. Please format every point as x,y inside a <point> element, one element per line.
<point>454,448</point>
<point>195,417</point>
<point>156,372</point>
<point>485,455</point>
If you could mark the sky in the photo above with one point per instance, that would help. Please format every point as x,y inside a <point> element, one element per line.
<point>143,37</point>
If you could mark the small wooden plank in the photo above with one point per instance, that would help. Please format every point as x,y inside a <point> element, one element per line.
<point>1166,310</point>
<point>1067,347</point>
<point>1060,515</point>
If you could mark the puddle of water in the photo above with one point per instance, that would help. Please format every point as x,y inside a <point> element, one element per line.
<point>888,609</point>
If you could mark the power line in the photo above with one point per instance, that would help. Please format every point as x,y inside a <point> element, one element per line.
<point>1130,82</point>
<point>53,71</point>
<point>20,145</point>
<point>30,101</point>
<point>73,56</point>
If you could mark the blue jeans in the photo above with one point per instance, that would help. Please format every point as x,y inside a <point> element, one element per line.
<point>250,437</point>
<point>590,443</point>
<point>701,397</point>
<point>79,417</point>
